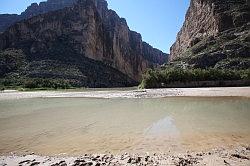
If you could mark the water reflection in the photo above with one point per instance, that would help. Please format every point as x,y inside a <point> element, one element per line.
<point>162,127</point>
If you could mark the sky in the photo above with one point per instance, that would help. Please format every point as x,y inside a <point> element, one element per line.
<point>158,21</point>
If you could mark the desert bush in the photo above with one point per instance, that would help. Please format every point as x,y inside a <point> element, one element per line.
<point>160,78</point>
<point>46,83</point>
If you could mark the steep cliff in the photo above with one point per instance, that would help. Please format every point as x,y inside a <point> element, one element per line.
<point>82,37</point>
<point>216,33</point>
<point>6,20</point>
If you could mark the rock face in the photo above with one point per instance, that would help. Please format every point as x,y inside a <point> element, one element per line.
<point>214,30</point>
<point>6,20</point>
<point>45,7</point>
<point>86,32</point>
<point>34,9</point>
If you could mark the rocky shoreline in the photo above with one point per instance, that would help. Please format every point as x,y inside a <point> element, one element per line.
<point>239,156</point>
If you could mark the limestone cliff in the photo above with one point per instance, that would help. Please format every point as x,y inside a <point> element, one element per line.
<point>215,33</point>
<point>86,31</point>
<point>6,20</point>
<point>45,7</point>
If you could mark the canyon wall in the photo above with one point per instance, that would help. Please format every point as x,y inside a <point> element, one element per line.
<point>209,18</point>
<point>86,30</point>
<point>6,20</point>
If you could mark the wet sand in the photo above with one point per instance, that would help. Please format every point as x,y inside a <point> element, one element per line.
<point>147,93</point>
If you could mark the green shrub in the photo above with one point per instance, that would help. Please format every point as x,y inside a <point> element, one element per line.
<point>46,83</point>
<point>160,78</point>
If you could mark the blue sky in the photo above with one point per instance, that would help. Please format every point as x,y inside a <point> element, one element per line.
<point>157,20</point>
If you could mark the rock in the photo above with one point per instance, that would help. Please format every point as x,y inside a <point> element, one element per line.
<point>89,164</point>
<point>34,9</point>
<point>129,160</point>
<point>205,60</point>
<point>25,161</point>
<point>199,154</point>
<point>226,162</point>
<point>220,26</point>
<point>184,162</point>
<point>34,163</point>
<point>88,38</point>
<point>240,156</point>
<point>206,18</point>
<point>218,156</point>
<point>61,163</point>
<point>79,162</point>
<point>7,20</point>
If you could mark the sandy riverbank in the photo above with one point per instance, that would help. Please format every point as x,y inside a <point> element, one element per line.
<point>147,93</point>
<point>236,157</point>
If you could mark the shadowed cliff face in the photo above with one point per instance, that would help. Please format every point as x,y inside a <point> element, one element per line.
<point>6,20</point>
<point>86,30</point>
<point>213,29</point>
<point>45,7</point>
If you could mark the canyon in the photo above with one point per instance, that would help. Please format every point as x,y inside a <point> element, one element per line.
<point>34,9</point>
<point>215,34</point>
<point>83,42</point>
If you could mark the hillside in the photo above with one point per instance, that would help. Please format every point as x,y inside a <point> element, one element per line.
<point>86,45</point>
<point>6,20</point>
<point>216,33</point>
<point>211,49</point>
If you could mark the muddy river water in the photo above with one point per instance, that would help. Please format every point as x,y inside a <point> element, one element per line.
<point>74,126</point>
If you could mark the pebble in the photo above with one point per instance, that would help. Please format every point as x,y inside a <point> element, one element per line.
<point>189,158</point>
